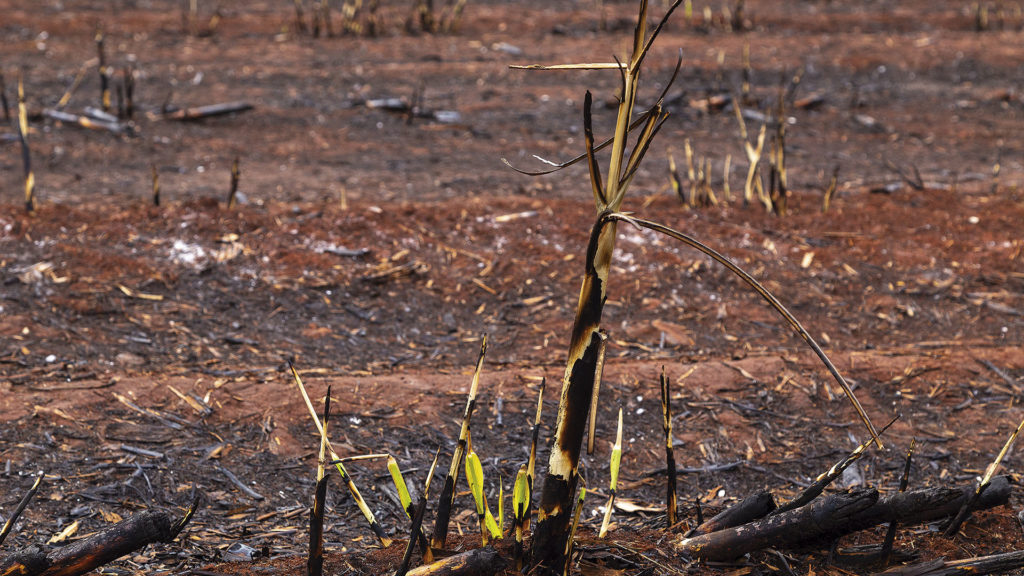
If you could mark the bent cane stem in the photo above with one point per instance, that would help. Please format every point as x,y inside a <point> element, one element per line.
<point>610,217</point>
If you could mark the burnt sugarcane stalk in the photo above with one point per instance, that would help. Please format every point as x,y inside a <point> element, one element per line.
<point>447,500</point>
<point>315,563</point>
<point>3,99</point>
<point>156,185</point>
<point>116,541</point>
<point>104,73</point>
<point>26,156</point>
<point>670,459</point>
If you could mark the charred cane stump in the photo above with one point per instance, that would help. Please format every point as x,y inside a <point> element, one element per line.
<point>839,514</point>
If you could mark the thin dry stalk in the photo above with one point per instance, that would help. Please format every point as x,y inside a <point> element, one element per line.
<point>598,373</point>
<point>965,510</point>
<point>356,496</point>
<point>104,73</point>
<point>531,463</point>
<point>890,535</point>
<point>830,190</point>
<point>577,510</point>
<point>3,98</point>
<point>315,562</point>
<point>824,479</point>
<point>26,155</point>
<point>417,525</point>
<point>9,524</point>
<point>671,503</point>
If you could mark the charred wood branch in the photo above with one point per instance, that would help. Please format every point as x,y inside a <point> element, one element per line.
<point>837,515</point>
<point>99,549</point>
<point>747,510</point>
<point>201,112</point>
<point>477,562</point>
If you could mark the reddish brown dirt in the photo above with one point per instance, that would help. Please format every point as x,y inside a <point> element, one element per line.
<point>917,294</point>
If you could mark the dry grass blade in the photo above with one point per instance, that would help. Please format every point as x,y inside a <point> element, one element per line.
<point>591,66</point>
<point>447,499</point>
<point>765,294</point>
<point>356,496</point>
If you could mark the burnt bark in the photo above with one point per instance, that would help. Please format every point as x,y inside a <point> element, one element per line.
<point>810,522</point>
<point>837,515</point>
